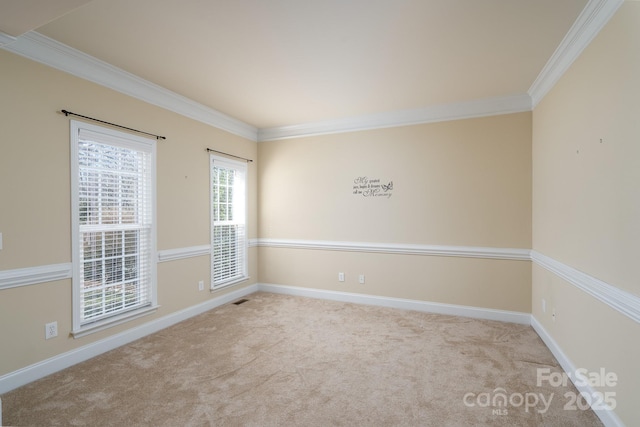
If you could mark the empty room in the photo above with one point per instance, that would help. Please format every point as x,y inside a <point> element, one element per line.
<point>302,212</point>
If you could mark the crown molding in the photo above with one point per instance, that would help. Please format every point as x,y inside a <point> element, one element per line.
<point>42,49</point>
<point>45,50</point>
<point>591,20</point>
<point>436,113</point>
<point>6,39</point>
<point>39,48</point>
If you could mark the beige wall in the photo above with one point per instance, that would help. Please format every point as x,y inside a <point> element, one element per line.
<point>593,336</point>
<point>586,193</point>
<point>488,283</point>
<point>464,182</point>
<point>35,200</point>
<point>586,202</point>
<point>458,183</point>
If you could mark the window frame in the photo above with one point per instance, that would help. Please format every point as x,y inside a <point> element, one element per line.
<point>241,246</point>
<point>150,305</point>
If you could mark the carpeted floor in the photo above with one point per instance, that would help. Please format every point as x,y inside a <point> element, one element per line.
<point>279,360</point>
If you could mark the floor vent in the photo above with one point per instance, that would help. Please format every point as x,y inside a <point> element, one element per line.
<point>242,301</point>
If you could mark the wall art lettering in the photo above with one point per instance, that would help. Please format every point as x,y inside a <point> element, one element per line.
<point>369,187</point>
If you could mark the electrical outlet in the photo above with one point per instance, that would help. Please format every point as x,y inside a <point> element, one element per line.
<point>361,279</point>
<point>50,330</point>
<point>201,285</point>
<point>341,277</point>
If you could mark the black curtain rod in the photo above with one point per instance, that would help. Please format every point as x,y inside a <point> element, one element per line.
<point>227,154</point>
<point>69,113</point>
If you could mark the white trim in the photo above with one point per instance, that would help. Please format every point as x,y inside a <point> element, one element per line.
<point>400,303</point>
<point>110,322</point>
<point>50,273</point>
<point>192,251</point>
<point>54,364</point>
<point>34,275</point>
<point>591,20</point>
<point>6,39</point>
<point>182,253</point>
<point>47,51</point>
<point>405,249</point>
<point>608,418</point>
<point>140,144</point>
<point>238,270</point>
<point>622,301</point>
<point>436,113</point>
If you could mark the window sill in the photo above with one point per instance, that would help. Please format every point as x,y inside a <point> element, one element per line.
<point>230,283</point>
<point>113,321</point>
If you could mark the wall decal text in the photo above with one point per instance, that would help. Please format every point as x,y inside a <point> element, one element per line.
<point>369,187</point>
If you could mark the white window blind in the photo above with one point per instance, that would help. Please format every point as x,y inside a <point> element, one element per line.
<point>228,222</point>
<point>113,192</point>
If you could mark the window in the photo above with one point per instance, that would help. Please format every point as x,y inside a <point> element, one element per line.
<point>113,215</point>
<point>228,222</point>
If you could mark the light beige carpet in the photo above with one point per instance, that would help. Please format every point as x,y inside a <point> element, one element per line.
<point>290,361</point>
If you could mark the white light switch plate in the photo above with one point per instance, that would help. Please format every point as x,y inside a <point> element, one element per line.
<point>0,241</point>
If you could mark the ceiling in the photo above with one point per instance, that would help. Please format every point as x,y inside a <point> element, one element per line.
<point>274,63</point>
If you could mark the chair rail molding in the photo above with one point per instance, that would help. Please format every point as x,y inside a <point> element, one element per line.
<point>622,301</point>
<point>182,253</point>
<point>400,248</point>
<point>34,275</point>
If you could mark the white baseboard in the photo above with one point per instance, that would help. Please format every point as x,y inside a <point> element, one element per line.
<point>54,364</point>
<point>406,304</point>
<point>49,366</point>
<point>608,418</point>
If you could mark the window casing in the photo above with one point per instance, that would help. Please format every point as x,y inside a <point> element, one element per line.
<point>114,234</point>
<point>228,222</point>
